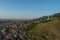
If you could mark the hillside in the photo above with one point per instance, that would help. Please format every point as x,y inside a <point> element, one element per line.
<point>47,30</point>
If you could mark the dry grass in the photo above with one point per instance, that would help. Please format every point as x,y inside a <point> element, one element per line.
<point>47,31</point>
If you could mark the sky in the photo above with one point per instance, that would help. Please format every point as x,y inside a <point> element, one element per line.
<point>28,9</point>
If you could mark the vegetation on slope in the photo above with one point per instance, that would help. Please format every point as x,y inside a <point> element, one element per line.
<point>47,30</point>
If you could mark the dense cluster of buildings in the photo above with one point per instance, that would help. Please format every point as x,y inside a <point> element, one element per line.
<point>13,31</point>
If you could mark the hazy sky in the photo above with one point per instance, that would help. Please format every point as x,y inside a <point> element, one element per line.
<point>21,9</point>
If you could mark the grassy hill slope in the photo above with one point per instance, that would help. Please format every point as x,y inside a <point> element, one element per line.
<point>47,30</point>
